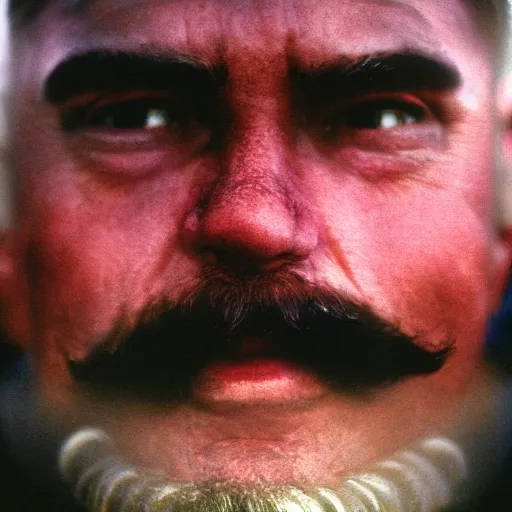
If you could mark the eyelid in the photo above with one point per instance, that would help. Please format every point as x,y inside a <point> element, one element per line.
<point>397,98</point>
<point>102,99</point>
<point>423,111</point>
<point>77,113</point>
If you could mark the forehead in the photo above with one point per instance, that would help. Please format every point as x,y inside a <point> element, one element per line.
<point>307,31</point>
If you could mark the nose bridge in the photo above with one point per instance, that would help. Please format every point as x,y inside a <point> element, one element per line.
<point>251,208</point>
<point>257,157</point>
<point>257,152</point>
<point>255,207</point>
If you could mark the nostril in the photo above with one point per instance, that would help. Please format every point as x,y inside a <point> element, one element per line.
<point>236,262</point>
<point>243,263</point>
<point>251,226</point>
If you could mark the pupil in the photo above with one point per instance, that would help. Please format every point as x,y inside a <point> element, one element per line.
<point>378,116</point>
<point>390,119</point>
<point>134,117</point>
<point>156,118</point>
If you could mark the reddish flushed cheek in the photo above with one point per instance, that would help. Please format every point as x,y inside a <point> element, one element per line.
<point>420,267</point>
<point>69,290</point>
<point>94,266</point>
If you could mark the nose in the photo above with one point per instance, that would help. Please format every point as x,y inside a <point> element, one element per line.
<point>255,212</point>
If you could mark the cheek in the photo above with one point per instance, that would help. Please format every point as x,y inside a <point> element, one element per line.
<point>96,248</point>
<point>98,261</point>
<point>418,255</point>
<point>435,275</point>
<point>74,281</point>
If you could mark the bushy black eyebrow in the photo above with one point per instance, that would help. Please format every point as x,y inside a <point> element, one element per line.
<point>378,73</point>
<point>107,70</point>
<point>112,71</point>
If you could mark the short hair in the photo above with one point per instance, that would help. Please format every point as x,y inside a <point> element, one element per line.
<point>24,10</point>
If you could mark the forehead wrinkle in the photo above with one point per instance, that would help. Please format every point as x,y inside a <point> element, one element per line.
<point>78,5</point>
<point>290,9</point>
<point>412,11</point>
<point>289,34</point>
<point>419,36</point>
<point>298,47</point>
<point>111,25</point>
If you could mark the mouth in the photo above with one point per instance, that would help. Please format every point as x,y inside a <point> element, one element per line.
<point>213,367</point>
<point>241,372</point>
<point>256,373</point>
<point>256,380</point>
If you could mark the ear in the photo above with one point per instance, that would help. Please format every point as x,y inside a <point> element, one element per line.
<point>6,246</point>
<point>5,175</point>
<point>11,291</point>
<point>9,266</point>
<point>502,248</point>
<point>501,267</point>
<point>14,302</point>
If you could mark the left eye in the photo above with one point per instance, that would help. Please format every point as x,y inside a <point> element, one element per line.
<point>380,115</point>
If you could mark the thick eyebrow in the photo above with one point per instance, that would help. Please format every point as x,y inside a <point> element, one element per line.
<point>107,70</point>
<point>379,73</point>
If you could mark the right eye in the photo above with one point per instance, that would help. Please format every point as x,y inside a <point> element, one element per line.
<point>136,121</point>
<point>122,114</point>
<point>131,132</point>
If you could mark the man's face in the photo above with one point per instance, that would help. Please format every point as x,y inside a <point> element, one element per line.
<point>251,192</point>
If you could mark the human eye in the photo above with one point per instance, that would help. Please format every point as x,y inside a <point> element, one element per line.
<point>393,124</point>
<point>142,114</point>
<point>134,111</point>
<point>133,132</point>
<point>382,134</point>
<point>133,120</point>
<point>377,114</point>
<point>383,115</point>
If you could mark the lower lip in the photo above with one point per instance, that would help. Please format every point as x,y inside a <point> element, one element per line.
<point>256,381</point>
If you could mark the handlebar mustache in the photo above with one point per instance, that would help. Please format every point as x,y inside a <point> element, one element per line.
<point>346,344</point>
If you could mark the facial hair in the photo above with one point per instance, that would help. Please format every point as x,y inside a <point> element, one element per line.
<point>345,344</point>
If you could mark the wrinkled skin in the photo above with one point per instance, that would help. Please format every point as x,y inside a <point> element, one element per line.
<point>398,218</point>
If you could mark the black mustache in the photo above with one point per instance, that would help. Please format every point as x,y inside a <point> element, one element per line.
<point>345,344</point>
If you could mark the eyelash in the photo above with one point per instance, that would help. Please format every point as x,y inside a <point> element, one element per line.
<point>360,116</point>
<point>365,114</point>
<point>357,114</point>
<point>87,113</point>
<point>149,120</point>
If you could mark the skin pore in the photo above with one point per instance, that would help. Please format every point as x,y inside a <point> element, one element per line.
<point>266,152</point>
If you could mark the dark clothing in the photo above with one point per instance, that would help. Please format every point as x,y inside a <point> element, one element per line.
<point>29,479</point>
<point>20,493</point>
